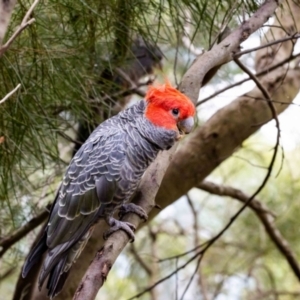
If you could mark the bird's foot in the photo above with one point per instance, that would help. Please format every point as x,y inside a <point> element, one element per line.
<point>116,225</point>
<point>132,208</point>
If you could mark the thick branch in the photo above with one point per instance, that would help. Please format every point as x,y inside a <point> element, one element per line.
<point>264,214</point>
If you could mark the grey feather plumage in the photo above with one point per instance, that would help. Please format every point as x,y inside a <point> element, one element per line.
<point>104,173</point>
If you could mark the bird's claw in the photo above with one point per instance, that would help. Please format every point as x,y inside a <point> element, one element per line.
<point>116,225</point>
<point>132,208</point>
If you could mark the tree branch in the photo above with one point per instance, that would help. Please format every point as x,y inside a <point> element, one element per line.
<point>288,38</point>
<point>6,8</point>
<point>141,262</point>
<point>10,93</point>
<point>24,24</point>
<point>8,241</point>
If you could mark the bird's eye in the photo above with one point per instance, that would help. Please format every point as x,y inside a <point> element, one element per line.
<point>175,112</point>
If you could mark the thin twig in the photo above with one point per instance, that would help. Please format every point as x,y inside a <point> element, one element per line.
<point>67,137</point>
<point>183,253</point>
<point>10,93</point>
<point>141,262</point>
<point>8,241</point>
<point>263,72</point>
<point>165,278</point>
<point>121,94</point>
<point>294,36</point>
<point>270,168</point>
<point>271,106</point>
<point>192,277</point>
<point>24,24</point>
<point>128,92</point>
<point>6,8</point>
<point>224,24</point>
<point>196,242</point>
<point>133,85</point>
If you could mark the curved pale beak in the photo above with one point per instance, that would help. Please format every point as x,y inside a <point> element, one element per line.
<point>186,125</point>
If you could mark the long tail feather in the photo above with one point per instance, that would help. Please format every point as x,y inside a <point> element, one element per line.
<point>35,255</point>
<point>57,278</point>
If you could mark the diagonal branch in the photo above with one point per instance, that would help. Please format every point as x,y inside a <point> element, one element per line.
<point>24,24</point>
<point>8,241</point>
<point>141,262</point>
<point>10,93</point>
<point>222,134</point>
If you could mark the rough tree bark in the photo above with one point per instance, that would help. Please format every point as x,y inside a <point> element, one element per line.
<point>217,139</point>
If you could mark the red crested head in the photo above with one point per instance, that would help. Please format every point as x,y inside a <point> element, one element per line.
<point>169,108</point>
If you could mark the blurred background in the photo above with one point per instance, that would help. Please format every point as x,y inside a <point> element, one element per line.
<point>81,62</point>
